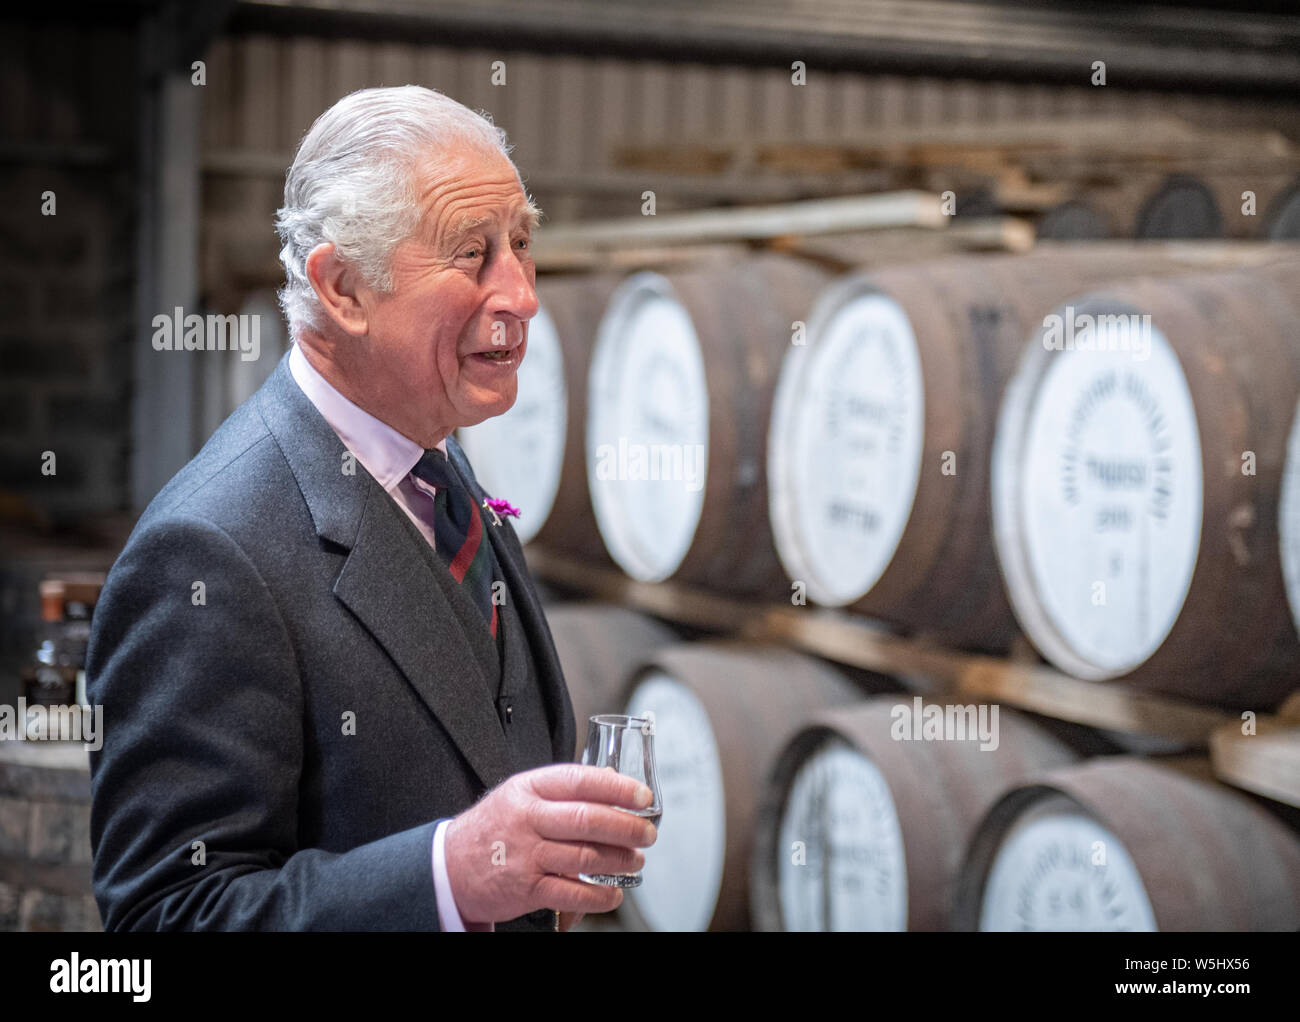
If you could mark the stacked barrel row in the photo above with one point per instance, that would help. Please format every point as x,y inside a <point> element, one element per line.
<point>969,447</point>
<point>800,796</point>
<point>1095,448</point>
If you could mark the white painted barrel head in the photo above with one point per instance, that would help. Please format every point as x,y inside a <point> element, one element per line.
<point>840,860</point>
<point>519,456</point>
<point>845,443</point>
<point>647,428</point>
<point>1097,490</point>
<point>1288,525</point>
<point>682,877</point>
<point>1058,868</point>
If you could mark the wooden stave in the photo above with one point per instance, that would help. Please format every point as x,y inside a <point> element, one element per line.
<point>1074,220</point>
<point>1288,522</point>
<point>1282,220</point>
<point>865,727</point>
<point>1126,794</point>
<point>45,869</point>
<point>600,646</point>
<point>575,305</point>
<point>935,565</point>
<point>807,685</point>
<point>764,295</point>
<point>1172,669</point>
<point>1181,206</point>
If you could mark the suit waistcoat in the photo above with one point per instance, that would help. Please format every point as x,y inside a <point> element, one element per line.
<point>514,688</point>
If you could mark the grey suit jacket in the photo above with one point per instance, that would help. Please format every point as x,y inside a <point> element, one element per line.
<point>289,701</point>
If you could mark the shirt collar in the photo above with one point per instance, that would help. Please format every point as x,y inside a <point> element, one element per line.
<point>383,452</point>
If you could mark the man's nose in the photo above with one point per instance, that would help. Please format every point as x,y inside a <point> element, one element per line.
<point>515,294</point>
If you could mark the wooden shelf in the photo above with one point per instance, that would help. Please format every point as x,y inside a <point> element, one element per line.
<point>851,639</point>
<point>1266,763</point>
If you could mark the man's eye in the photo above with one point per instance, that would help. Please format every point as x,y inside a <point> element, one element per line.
<point>523,243</point>
<point>472,253</point>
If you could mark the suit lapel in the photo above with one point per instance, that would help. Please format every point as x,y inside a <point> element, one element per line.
<point>384,581</point>
<point>388,586</point>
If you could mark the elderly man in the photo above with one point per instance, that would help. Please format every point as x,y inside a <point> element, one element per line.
<point>330,694</point>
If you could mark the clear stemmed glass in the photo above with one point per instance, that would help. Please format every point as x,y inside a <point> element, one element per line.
<point>625,744</point>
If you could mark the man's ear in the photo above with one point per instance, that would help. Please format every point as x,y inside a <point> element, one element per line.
<point>337,287</point>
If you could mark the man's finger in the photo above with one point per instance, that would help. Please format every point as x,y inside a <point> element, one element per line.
<point>590,822</point>
<point>573,782</point>
<point>566,895</point>
<point>587,857</point>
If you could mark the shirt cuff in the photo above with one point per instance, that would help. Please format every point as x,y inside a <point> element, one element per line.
<point>448,916</point>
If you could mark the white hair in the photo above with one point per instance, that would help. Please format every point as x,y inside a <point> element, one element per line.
<point>352,183</point>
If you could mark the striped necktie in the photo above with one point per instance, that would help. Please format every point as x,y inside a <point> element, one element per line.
<point>459,532</point>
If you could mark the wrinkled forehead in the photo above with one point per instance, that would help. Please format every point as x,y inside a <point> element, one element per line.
<point>462,190</point>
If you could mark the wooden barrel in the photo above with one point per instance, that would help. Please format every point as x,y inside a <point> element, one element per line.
<point>1136,479</point>
<point>722,712</point>
<point>600,645</point>
<point>1181,207</point>
<point>1130,844</point>
<point>864,820</point>
<point>1282,221</point>
<point>533,455</point>
<point>1288,520</point>
<point>680,392</point>
<point>1073,220</point>
<point>883,424</point>
<point>45,837</point>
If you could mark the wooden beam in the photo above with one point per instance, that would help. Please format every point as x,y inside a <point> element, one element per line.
<point>817,216</point>
<point>860,642</point>
<point>1266,762</point>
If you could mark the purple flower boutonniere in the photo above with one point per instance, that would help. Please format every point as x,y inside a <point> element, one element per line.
<point>498,508</point>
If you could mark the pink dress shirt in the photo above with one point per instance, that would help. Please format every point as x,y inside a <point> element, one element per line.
<point>389,457</point>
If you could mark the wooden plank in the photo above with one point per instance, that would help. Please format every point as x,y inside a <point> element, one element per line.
<point>435,68</point>
<point>524,112</point>
<point>573,114</point>
<point>652,92</point>
<point>857,641</point>
<point>349,69</point>
<point>303,87</point>
<point>776,96</point>
<point>260,101</point>
<point>1086,139</point>
<point>818,216</point>
<point>898,245</point>
<point>812,106</point>
<point>394,64</point>
<point>853,102</point>
<point>1266,763</point>
<point>612,86</point>
<point>1111,705</point>
<point>661,257</point>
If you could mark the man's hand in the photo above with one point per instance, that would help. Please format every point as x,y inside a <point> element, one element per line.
<point>521,846</point>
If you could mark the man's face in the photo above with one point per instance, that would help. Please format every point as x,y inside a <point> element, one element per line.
<point>445,346</point>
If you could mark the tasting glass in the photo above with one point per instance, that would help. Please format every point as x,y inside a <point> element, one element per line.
<point>627,745</point>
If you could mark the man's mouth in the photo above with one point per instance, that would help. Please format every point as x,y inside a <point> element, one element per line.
<point>501,358</point>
